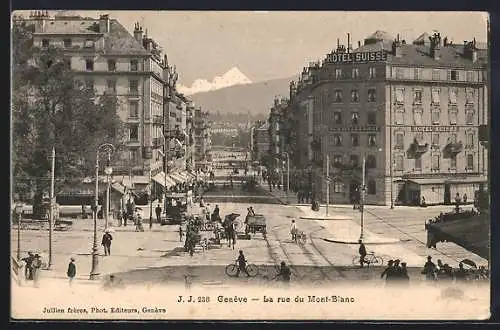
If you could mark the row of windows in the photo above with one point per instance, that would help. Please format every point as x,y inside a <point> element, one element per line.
<point>338,96</point>
<point>351,74</point>
<point>399,96</point>
<point>371,118</point>
<point>435,163</point>
<point>371,187</point>
<point>436,118</point>
<point>68,43</point>
<point>89,65</point>
<point>111,86</point>
<point>371,140</point>
<point>436,139</point>
<point>436,74</point>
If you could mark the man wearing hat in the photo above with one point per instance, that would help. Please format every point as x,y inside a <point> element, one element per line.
<point>106,242</point>
<point>28,268</point>
<point>71,270</point>
<point>429,269</point>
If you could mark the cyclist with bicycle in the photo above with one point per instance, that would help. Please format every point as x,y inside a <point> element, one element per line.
<point>242,264</point>
<point>362,253</point>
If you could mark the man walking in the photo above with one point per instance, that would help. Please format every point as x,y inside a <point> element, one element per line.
<point>106,242</point>
<point>293,231</point>
<point>36,266</point>
<point>158,213</point>
<point>28,268</point>
<point>71,271</point>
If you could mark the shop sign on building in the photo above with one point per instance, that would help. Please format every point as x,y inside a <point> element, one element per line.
<point>439,129</point>
<point>355,129</point>
<point>360,57</point>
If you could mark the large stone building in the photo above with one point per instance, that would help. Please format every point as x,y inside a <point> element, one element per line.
<point>260,141</point>
<point>203,141</point>
<point>131,66</point>
<point>411,110</point>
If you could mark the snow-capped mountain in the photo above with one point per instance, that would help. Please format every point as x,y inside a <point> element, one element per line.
<point>232,77</point>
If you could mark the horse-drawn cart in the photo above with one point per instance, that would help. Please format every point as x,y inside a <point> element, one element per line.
<point>256,224</point>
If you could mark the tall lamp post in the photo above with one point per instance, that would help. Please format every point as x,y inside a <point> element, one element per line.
<point>19,214</point>
<point>94,272</point>
<point>150,196</point>
<point>363,188</point>
<point>108,170</point>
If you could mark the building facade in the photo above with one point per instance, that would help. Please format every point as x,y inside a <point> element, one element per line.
<point>203,141</point>
<point>412,112</point>
<point>131,66</point>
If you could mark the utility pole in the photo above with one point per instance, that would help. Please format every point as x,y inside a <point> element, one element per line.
<point>150,202</point>
<point>363,198</point>
<point>52,205</point>
<point>327,182</point>
<point>94,273</point>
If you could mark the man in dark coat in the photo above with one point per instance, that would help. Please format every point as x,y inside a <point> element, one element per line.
<point>71,271</point>
<point>158,213</point>
<point>106,242</point>
<point>28,269</point>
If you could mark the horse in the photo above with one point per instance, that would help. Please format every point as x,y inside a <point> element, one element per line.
<point>229,232</point>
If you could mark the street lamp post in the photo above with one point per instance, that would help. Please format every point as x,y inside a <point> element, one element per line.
<point>363,188</point>
<point>19,213</point>
<point>150,195</point>
<point>94,272</point>
<point>108,170</point>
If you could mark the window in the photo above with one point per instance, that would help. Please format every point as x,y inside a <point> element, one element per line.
<point>417,96</point>
<point>371,187</point>
<point>67,43</point>
<point>399,118</point>
<point>338,187</point>
<point>354,160</point>
<point>400,96</point>
<point>454,75</point>
<point>355,118</point>
<point>453,162</point>
<point>417,73</point>
<point>435,162</point>
<point>435,96</point>
<point>111,65</point>
<point>469,120</point>
<point>398,163</point>
<point>418,163</point>
<point>399,140</point>
<point>470,162</point>
<point>134,65</point>
<point>372,118</point>
<point>435,140</point>
<point>371,161</point>
<point>372,95</point>
<point>45,43</point>
<point>436,74</point>
<point>134,132</point>
<point>453,116</point>
<point>111,86</point>
<point>372,73</point>
<point>355,73</point>
<point>337,118</point>
<point>67,63</point>
<point>88,44</point>
<point>372,141</point>
<point>338,73</point>
<point>470,76</point>
<point>89,65</point>
<point>355,140</point>
<point>417,117</point>
<point>134,109</point>
<point>453,95</point>
<point>89,83</point>
<point>470,140</point>
<point>400,73</point>
<point>354,96</point>
<point>133,86</point>
<point>337,140</point>
<point>435,114</point>
<point>337,159</point>
<point>469,96</point>
<point>338,96</point>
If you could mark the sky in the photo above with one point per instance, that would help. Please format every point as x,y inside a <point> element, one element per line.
<point>272,45</point>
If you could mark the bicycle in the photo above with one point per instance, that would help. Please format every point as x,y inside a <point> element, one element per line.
<point>370,259</point>
<point>232,269</point>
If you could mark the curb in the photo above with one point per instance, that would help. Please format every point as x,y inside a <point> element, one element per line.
<point>365,242</point>
<point>340,218</point>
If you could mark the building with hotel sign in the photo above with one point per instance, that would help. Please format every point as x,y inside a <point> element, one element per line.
<point>413,111</point>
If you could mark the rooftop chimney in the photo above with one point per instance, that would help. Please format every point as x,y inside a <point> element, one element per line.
<point>40,17</point>
<point>104,24</point>
<point>138,33</point>
<point>396,47</point>
<point>435,46</point>
<point>470,50</point>
<point>359,44</point>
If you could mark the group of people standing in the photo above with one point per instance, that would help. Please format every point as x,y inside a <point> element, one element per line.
<point>32,267</point>
<point>395,272</point>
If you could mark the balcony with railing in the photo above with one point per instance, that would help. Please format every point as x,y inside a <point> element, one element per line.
<point>454,148</point>
<point>418,148</point>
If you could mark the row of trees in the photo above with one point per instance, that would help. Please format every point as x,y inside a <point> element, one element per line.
<point>52,107</point>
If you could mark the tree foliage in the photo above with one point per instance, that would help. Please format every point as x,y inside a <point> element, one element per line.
<point>53,107</point>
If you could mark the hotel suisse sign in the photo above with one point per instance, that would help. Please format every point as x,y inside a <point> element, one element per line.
<point>438,129</point>
<point>379,56</point>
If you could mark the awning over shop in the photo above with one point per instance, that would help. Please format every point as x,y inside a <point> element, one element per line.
<point>137,179</point>
<point>191,175</point>
<point>162,180</point>
<point>427,181</point>
<point>119,187</point>
<point>184,176</point>
<point>477,179</point>
<point>177,178</point>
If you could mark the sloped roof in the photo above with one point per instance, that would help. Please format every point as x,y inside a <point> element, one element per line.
<point>71,26</point>
<point>120,41</point>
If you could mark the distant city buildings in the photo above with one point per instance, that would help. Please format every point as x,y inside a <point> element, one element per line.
<point>412,111</point>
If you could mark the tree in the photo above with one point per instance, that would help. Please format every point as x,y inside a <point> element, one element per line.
<point>53,107</point>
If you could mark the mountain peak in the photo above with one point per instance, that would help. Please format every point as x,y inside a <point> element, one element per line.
<point>232,77</point>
